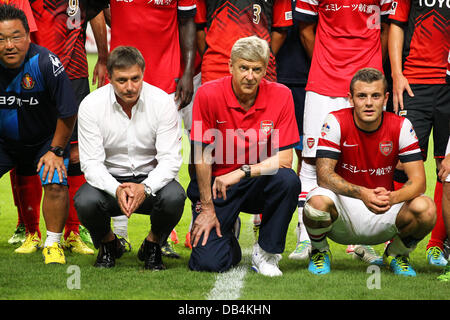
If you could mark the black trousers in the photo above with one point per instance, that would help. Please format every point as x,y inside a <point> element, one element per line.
<point>275,196</point>
<point>96,207</point>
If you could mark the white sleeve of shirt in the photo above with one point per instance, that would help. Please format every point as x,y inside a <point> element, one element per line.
<point>168,147</point>
<point>330,135</point>
<point>91,149</point>
<point>308,7</point>
<point>408,143</point>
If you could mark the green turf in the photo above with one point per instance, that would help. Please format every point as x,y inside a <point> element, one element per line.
<point>26,276</point>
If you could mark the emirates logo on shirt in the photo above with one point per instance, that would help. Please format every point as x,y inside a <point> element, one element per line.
<point>386,147</point>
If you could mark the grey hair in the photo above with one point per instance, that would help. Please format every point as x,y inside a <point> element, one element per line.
<point>251,49</point>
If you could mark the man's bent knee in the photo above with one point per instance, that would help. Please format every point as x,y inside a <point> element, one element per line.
<point>424,210</point>
<point>86,201</point>
<point>315,214</point>
<point>54,190</point>
<point>173,197</point>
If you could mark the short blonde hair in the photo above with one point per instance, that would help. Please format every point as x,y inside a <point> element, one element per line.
<point>252,49</point>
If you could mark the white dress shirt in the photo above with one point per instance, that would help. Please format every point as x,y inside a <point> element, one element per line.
<point>111,144</point>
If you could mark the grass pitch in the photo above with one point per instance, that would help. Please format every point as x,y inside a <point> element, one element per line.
<point>25,277</point>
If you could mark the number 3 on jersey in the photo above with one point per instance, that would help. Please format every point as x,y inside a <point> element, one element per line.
<point>256,13</point>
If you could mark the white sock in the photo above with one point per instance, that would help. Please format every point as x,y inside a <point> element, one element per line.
<point>308,179</point>
<point>120,226</point>
<point>52,237</point>
<point>319,238</point>
<point>397,247</point>
<point>302,233</point>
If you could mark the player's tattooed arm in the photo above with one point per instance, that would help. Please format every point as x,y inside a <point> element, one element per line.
<point>416,184</point>
<point>376,200</point>
<point>329,179</point>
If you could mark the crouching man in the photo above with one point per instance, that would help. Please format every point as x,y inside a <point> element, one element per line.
<point>354,203</point>
<point>130,153</point>
<point>243,131</point>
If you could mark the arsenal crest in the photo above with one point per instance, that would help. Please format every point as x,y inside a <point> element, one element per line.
<point>310,142</point>
<point>27,82</point>
<point>267,126</point>
<point>386,147</point>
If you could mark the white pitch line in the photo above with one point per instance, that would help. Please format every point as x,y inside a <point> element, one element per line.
<point>229,284</point>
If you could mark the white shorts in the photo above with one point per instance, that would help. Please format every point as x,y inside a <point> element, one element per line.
<point>317,107</point>
<point>356,224</point>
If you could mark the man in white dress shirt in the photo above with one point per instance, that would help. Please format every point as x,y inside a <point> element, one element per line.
<point>130,153</point>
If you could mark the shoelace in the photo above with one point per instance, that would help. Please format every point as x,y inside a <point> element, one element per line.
<point>30,239</point>
<point>319,259</point>
<point>435,252</point>
<point>302,245</point>
<point>271,258</point>
<point>403,263</point>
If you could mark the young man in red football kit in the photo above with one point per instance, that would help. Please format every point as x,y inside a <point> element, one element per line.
<point>340,38</point>
<point>419,89</point>
<point>355,202</point>
<point>292,70</point>
<point>243,132</point>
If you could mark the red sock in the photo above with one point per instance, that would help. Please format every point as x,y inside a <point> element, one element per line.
<point>12,176</point>
<point>72,222</point>
<point>29,192</point>
<point>438,234</point>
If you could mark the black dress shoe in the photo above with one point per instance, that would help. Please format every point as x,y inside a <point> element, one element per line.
<point>150,253</point>
<point>108,253</point>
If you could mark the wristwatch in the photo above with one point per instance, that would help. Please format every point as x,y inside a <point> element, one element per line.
<point>247,170</point>
<point>147,190</point>
<point>57,150</point>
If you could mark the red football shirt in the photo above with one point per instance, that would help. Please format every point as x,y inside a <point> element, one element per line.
<point>24,5</point>
<point>238,136</point>
<point>228,21</point>
<point>347,39</point>
<point>152,27</point>
<point>61,29</point>
<point>368,158</point>
<point>426,41</point>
